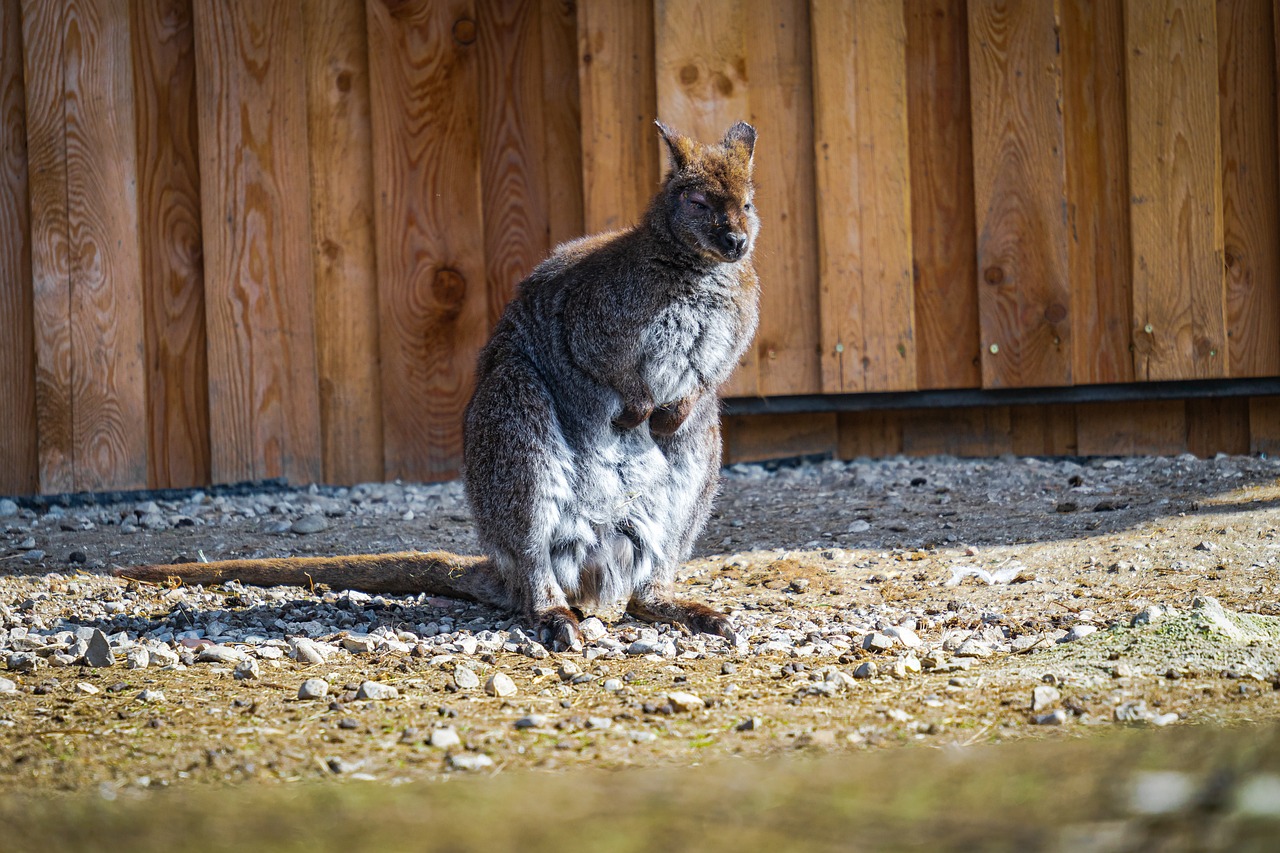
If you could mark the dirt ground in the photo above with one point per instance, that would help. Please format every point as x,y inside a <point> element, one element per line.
<point>815,556</point>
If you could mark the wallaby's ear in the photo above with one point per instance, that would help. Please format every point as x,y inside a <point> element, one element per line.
<point>680,147</point>
<point>741,134</point>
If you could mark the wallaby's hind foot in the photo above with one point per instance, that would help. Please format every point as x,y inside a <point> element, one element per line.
<point>558,628</point>
<point>698,618</point>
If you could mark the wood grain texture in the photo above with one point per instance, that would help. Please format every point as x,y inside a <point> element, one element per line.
<point>255,213</point>
<point>19,467</point>
<point>512,174</point>
<point>1264,425</point>
<point>170,243</point>
<point>43,28</point>
<point>346,276</point>
<point>620,165</point>
<point>873,435</point>
<point>974,431</point>
<point>561,119</point>
<point>758,438</point>
<point>780,86</point>
<point>1175,183</point>
<point>1218,426</point>
<point>1250,184</point>
<point>943,237</point>
<point>1019,187</point>
<point>1150,428</point>
<point>1097,189</point>
<point>867,301</point>
<point>434,313</point>
<point>1043,430</point>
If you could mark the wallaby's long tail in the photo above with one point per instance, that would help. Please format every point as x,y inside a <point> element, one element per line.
<point>435,573</point>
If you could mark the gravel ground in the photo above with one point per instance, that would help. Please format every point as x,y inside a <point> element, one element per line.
<point>878,603</point>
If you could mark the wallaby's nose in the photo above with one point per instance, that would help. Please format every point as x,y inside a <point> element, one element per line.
<point>734,244</point>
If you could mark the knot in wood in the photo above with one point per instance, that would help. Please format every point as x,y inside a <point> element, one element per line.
<point>464,31</point>
<point>993,275</point>
<point>449,288</point>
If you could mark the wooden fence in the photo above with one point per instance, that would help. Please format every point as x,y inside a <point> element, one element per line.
<point>243,239</point>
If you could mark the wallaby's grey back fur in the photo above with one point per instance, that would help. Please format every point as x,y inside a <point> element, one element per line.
<point>592,441</point>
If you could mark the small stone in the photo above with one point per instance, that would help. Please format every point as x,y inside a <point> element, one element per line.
<point>1078,632</point>
<point>859,526</point>
<point>33,556</point>
<point>1053,718</point>
<point>866,669</point>
<point>973,649</point>
<point>151,696</point>
<point>799,585</point>
<point>903,635</point>
<point>313,688</point>
<point>83,687</point>
<point>465,679</point>
<point>220,654</point>
<point>644,646</point>
<point>501,685</point>
<point>747,725</point>
<point>612,685</point>
<point>533,721</point>
<point>537,651</point>
<point>568,670</point>
<point>877,642</point>
<point>309,524</point>
<point>376,690</point>
<point>359,644</point>
<point>161,656</point>
<point>592,629</point>
<point>1148,615</point>
<point>307,651</point>
<point>247,669</point>
<point>8,508</point>
<point>137,658</point>
<point>8,685</point>
<point>470,762</point>
<point>99,652</point>
<point>1043,697</point>
<point>681,701</point>
<point>444,738</point>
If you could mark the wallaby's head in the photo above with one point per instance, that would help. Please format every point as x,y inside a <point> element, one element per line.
<point>708,193</point>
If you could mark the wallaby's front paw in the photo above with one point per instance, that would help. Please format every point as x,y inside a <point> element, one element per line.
<point>558,628</point>
<point>633,414</point>
<point>665,420</point>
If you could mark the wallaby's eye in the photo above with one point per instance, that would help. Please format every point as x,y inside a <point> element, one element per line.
<point>698,202</point>
<point>747,206</point>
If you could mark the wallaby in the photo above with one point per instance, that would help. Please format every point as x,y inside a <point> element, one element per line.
<point>591,444</point>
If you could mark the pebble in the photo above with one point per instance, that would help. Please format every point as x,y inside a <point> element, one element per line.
<point>8,685</point>
<point>465,679</point>
<point>1148,615</point>
<point>500,685</point>
<point>904,635</point>
<point>151,696</point>
<point>1078,632</point>
<point>359,643</point>
<point>307,651</point>
<point>1053,718</point>
<point>247,669</point>
<point>377,690</point>
<point>973,649</point>
<point>313,688</point>
<point>137,658</point>
<point>877,642</point>
<point>612,685</point>
<point>1044,696</point>
<point>98,653</point>
<point>681,701</point>
<point>35,555</point>
<point>8,508</point>
<point>444,738</point>
<point>471,762</point>
<point>309,524</point>
<point>568,671</point>
<point>592,629</point>
<point>866,669</point>
<point>532,721</point>
<point>220,654</point>
<point>83,687</point>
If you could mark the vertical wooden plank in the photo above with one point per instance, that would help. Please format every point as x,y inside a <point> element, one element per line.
<point>346,277</point>
<point>169,244</point>
<point>250,86</point>
<point>43,28</point>
<point>19,470</point>
<point>1019,186</point>
<point>562,119</point>
<point>1175,183</point>
<point>430,237</point>
<point>1264,425</point>
<point>513,174</point>
<point>1250,182</point>
<point>863,193</point>
<point>1044,430</point>
<point>758,438</point>
<point>1150,428</point>
<point>620,165</point>
<point>1218,426</point>
<point>943,238</point>
<point>1097,189</point>
<point>780,83</point>
<point>973,431</point>
<point>871,434</point>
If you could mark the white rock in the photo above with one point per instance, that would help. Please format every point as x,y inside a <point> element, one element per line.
<point>313,688</point>
<point>137,658</point>
<point>903,635</point>
<point>247,669</point>
<point>469,761</point>
<point>465,679</point>
<point>1044,696</point>
<point>8,685</point>
<point>444,738</point>
<point>85,688</point>
<point>592,629</point>
<point>682,701</point>
<point>1079,632</point>
<point>220,654</point>
<point>376,690</point>
<point>501,685</point>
